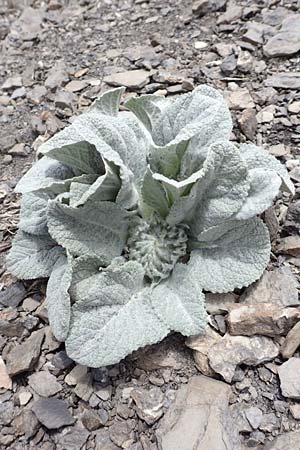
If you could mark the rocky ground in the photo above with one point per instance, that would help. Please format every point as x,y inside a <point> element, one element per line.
<point>235,388</point>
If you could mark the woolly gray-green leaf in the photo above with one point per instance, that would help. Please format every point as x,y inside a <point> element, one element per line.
<point>236,256</point>
<point>114,318</point>
<point>81,156</point>
<point>33,256</point>
<point>223,187</point>
<point>109,101</point>
<point>43,174</point>
<point>97,229</point>
<point>264,187</point>
<point>258,158</point>
<point>58,298</point>
<point>33,213</point>
<point>120,139</point>
<point>180,302</point>
<point>148,108</point>
<point>154,194</point>
<point>193,122</point>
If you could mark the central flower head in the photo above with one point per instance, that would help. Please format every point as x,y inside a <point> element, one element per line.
<point>157,246</point>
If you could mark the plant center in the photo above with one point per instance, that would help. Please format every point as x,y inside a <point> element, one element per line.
<point>157,246</point>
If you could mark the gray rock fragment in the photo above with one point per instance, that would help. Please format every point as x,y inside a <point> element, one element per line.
<point>289,375</point>
<point>231,351</point>
<point>23,357</point>
<point>52,413</point>
<point>199,418</point>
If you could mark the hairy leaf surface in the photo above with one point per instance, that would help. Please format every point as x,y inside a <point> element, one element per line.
<point>231,256</point>
<point>33,256</point>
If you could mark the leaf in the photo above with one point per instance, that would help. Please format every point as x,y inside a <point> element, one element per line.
<point>120,139</point>
<point>264,187</point>
<point>81,156</point>
<point>114,318</point>
<point>43,174</point>
<point>148,108</point>
<point>222,189</point>
<point>235,256</point>
<point>109,101</point>
<point>106,187</point>
<point>97,229</point>
<point>180,303</point>
<point>33,213</point>
<point>258,158</point>
<point>33,256</point>
<point>167,160</point>
<point>154,195</point>
<point>58,298</point>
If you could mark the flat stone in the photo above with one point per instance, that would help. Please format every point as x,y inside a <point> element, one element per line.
<point>5,380</point>
<point>52,413</point>
<point>279,150</point>
<point>103,441</point>
<point>13,295</point>
<point>23,357</point>
<point>278,287</point>
<point>287,41</point>
<point>18,93</point>
<point>104,393</point>
<point>291,342</point>
<point>12,83</point>
<point>61,360</point>
<point>294,107</point>
<point>91,420</point>
<point>200,45</point>
<point>119,432</point>
<point>240,99</point>
<point>289,245</point>
<point>24,397</point>
<point>26,424</point>
<point>64,99</point>
<point>77,373</point>
<point>266,319</point>
<point>231,351</point>
<point>232,14</point>
<point>149,404</point>
<point>28,26</point>
<point>37,94</point>
<point>202,7</point>
<point>199,418</point>
<point>254,33</point>
<point>56,76</point>
<point>229,65</point>
<point>248,123</point>
<point>289,375</point>
<point>200,345</point>
<point>131,79</point>
<point>254,416</point>
<point>286,441</point>
<point>76,85</point>
<point>44,384</point>
<point>6,412</point>
<point>266,114</point>
<point>295,411</point>
<point>284,80</point>
<point>73,438</point>
<point>18,150</point>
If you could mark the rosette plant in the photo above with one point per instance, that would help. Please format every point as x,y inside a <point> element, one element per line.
<point>133,215</point>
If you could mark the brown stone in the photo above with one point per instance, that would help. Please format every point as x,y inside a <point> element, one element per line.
<point>289,245</point>
<point>266,319</point>
<point>291,342</point>
<point>23,357</point>
<point>231,351</point>
<point>5,380</point>
<point>200,345</point>
<point>199,418</point>
<point>132,79</point>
